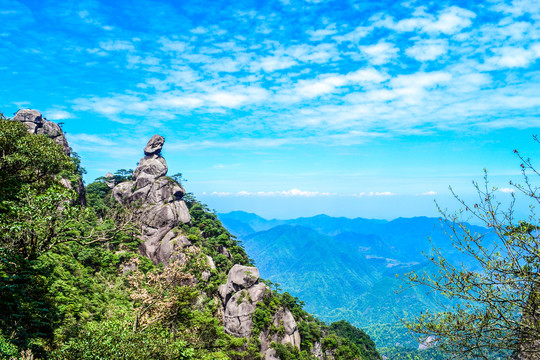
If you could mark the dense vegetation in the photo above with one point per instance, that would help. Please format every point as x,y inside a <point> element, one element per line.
<point>73,285</point>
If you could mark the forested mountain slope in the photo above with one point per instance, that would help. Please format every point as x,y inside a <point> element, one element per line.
<point>350,268</point>
<point>143,271</point>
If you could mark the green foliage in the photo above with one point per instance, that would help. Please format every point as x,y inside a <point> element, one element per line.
<point>114,339</point>
<point>207,231</point>
<point>72,285</point>
<point>28,162</point>
<point>122,175</point>
<point>262,318</point>
<point>356,336</point>
<point>27,311</point>
<point>310,333</point>
<point>7,349</point>
<point>403,353</point>
<point>96,197</point>
<point>497,312</point>
<point>178,178</point>
<point>289,352</point>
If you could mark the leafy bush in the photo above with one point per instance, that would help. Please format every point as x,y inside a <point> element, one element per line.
<point>114,339</point>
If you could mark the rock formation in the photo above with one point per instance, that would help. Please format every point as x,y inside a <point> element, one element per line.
<point>36,124</point>
<point>157,201</point>
<point>240,296</point>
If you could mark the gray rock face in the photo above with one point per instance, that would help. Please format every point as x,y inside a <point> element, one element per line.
<point>316,350</point>
<point>110,182</point>
<point>291,335</point>
<point>32,119</point>
<point>161,206</point>
<point>152,165</point>
<point>271,355</point>
<point>154,146</point>
<point>240,296</point>
<point>35,124</point>
<point>239,277</point>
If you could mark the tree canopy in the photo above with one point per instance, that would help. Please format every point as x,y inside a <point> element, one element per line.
<point>497,297</point>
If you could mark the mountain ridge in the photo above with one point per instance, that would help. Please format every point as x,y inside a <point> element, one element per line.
<point>358,256</point>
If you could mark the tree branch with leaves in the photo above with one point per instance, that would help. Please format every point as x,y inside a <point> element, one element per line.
<point>496,298</point>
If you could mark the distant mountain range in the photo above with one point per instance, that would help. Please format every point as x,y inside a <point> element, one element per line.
<point>346,268</point>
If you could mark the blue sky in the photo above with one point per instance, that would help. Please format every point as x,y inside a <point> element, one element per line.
<point>287,108</point>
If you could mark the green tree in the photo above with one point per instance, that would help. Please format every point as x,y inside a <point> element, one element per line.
<point>28,162</point>
<point>27,313</point>
<point>497,300</point>
<point>358,337</point>
<point>38,213</point>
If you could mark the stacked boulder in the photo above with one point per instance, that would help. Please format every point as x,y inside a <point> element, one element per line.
<point>157,201</point>
<point>240,296</point>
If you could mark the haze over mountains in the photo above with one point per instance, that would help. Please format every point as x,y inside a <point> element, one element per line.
<point>346,268</point>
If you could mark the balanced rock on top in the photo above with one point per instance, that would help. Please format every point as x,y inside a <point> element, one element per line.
<point>154,146</point>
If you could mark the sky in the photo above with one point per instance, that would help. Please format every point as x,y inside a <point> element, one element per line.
<point>288,108</point>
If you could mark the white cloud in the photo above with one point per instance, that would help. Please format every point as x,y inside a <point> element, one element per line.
<point>112,106</point>
<point>273,63</point>
<point>58,115</point>
<point>428,193</point>
<point>329,83</point>
<point>172,45</point>
<point>427,50</point>
<point>380,53</point>
<point>224,65</point>
<point>506,190</point>
<point>319,54</point>
<point>284,193</point>
<point>448,21</point>
<point>219,193</point>
<point>138,60</point>
<point>514,57</point>
<point>375,193</point>
<point>96,51</point>
<point>199,30</point>
<point>236,96</point>
<point>367,75</point>
<point>89,138</point>
<point>421,80</point>
<point>117,45</point>
<point>317,35</point>
<point>87,18</point>
<point>517,7</point>
<point>171,101</point>
<point>354,36</point>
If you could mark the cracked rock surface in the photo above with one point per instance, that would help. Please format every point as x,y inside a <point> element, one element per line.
<point>240,296</point>
<point>157,199</point>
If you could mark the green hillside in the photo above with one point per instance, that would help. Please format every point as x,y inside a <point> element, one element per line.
<point>351,268</point>
<point>74,285</point>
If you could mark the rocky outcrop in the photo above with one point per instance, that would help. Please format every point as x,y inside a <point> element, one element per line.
<point>240,296</point>
<point>287,331</point>
<point>36,124</point>
<point>157,201</point>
